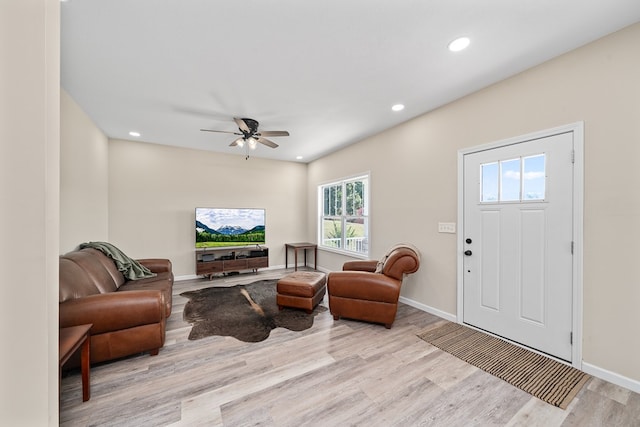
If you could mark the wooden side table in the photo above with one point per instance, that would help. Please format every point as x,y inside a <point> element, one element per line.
<point>70,340</point>
<point>295,247</point>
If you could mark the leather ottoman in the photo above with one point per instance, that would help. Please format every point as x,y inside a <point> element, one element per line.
<point>302,289</point>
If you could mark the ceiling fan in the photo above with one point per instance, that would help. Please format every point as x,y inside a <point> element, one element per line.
<point>249,134</point>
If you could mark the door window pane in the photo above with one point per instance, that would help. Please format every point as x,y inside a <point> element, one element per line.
<point>510,180</point>
<point>534,178</point>
<point>490,182</point>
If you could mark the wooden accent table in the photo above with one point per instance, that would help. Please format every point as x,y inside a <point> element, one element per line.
<point>70,340</point>
<point>295,247</point>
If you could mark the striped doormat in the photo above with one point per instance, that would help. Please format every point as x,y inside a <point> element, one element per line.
<point>540,376</point>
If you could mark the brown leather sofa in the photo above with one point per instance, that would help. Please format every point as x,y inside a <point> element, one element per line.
<point>359,292</point>
<point>128,316</point>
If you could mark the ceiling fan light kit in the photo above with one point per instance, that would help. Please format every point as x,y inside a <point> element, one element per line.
<point>249,134</point>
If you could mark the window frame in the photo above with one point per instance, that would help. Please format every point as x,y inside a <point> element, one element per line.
<point>344,217</point>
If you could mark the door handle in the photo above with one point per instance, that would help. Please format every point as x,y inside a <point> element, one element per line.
<point>468,252</point>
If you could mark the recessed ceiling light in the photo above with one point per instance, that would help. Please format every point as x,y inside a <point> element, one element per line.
<point>133,133</point>
<point>398,107</point>
<point>459,44</point>
<point>299,157</point>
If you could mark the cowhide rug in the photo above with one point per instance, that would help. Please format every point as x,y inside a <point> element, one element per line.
<point>246,312</point>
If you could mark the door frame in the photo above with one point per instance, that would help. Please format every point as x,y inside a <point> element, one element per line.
<point>578,214</point>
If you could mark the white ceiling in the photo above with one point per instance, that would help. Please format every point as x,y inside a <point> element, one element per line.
<point>328,71</point>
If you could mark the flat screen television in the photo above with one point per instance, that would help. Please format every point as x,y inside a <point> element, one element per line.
<point>224,227</point>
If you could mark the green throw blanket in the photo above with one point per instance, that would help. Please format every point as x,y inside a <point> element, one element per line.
<point>129,267</point>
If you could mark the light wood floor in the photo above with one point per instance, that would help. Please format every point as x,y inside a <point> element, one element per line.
<point>333,374</point>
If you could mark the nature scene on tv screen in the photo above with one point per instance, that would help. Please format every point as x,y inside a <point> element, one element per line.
<point>220,227</point>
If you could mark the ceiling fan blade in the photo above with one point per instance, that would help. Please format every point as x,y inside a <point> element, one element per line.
<point>242,125</point>
<point>266,142</point>
<point>220,131</point>
<point>235,142</point>
<point>273,133</point>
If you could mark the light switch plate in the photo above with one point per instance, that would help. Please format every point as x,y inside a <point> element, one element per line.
<point>447,227</point>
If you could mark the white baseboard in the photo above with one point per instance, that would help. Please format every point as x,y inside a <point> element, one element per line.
<point>611,377</point>
<point>186,277</point>
<point>447,316</point>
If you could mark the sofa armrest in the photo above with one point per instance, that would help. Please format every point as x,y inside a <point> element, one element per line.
<point>368,265</point>
<point>114,311</point>
<point>157,265</point>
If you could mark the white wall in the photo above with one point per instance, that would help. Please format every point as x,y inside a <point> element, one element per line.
<point>154,190</point>
<point>414,182</point>
<point>29,182</point>
<point>84,178</point>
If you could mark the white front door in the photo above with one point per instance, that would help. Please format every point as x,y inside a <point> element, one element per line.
<point>518,242</point>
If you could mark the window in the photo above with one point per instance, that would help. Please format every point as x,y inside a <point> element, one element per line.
<point>344,215</point>
<point>514,180</point>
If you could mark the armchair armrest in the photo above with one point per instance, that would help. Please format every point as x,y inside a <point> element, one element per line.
<point>157,265</point>
<point>114,311</point>
<point>401,261</point>
<point>368,265</point>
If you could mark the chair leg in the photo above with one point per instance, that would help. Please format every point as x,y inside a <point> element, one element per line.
<point>388,325</point>
<point>336,317</point>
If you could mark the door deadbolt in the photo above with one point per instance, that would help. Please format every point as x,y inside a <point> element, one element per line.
<point>468,241</point>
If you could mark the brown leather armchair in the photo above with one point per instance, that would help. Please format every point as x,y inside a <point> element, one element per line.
<point>359,292</point>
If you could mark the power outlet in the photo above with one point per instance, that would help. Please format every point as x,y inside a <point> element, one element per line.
<point>447,227</point>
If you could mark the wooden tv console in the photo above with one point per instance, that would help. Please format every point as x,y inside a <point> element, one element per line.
<point>210,261</point>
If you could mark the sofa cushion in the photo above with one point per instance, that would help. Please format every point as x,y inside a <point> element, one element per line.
<point>109,265</point>
<point>74,281</point>
<point>96,270</point>
<point>358,285</point>
<point>129,267</point>
<point>162,282</point>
